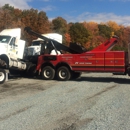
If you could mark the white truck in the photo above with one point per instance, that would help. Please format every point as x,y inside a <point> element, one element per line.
<point>11,51</point>
<point>35,47</point>
<point>14,56</point>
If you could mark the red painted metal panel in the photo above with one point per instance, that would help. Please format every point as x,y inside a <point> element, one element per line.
<point>84,62</point>
<point>109,61</point>
<point>106,46</point>
<point>100,61</point>
<point>119,61</point>
<point>115,61</point>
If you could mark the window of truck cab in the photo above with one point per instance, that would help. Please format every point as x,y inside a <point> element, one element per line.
<point>5,39</point>
<point>37,43</point>
<point>12,42</point>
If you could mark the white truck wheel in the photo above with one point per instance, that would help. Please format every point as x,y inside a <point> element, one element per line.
<point>2,76</point>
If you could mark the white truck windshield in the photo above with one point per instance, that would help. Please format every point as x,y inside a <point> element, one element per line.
<point>5,39</point>
<point>37,43</point>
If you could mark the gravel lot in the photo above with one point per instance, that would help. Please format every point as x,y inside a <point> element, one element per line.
<point>96,101</point>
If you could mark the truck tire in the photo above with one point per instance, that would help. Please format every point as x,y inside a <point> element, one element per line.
<point>63,73</point>
<point>2,76</point>
<point>48,73</point>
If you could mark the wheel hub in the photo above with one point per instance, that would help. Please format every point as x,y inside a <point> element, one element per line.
<point>47,73</point>
<point>63,74</point>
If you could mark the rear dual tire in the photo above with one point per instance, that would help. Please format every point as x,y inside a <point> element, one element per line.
<point>48,73</point>
<point>63,73</point>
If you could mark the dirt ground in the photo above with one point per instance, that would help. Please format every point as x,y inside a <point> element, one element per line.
<point>94,101</point>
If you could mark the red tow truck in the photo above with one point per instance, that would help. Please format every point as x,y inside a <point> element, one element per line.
<point>70,65</point>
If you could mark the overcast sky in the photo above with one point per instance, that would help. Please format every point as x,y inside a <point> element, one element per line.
<point>79,10</point>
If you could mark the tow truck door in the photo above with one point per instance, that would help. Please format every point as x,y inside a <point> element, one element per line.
<point>109,61</point>
<point>100,61</point>
<point>119,61</point>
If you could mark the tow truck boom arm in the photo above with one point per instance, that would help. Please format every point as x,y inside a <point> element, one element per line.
<point>106,46</point>
<point>52,42</point>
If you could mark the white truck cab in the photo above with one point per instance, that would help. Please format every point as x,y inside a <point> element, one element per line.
<point>35,48</point>
<point>11,46</point>
<point>11,53</point>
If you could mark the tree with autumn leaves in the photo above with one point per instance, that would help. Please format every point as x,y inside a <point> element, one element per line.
<point>88,34</point>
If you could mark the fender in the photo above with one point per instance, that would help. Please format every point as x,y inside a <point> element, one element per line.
<point>4,58</point>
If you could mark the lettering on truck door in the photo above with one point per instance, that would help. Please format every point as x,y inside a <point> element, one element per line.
<point>13,48</point>
<point>85,62</point>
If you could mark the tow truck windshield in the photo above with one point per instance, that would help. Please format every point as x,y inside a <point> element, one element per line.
<point>5,39</point>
